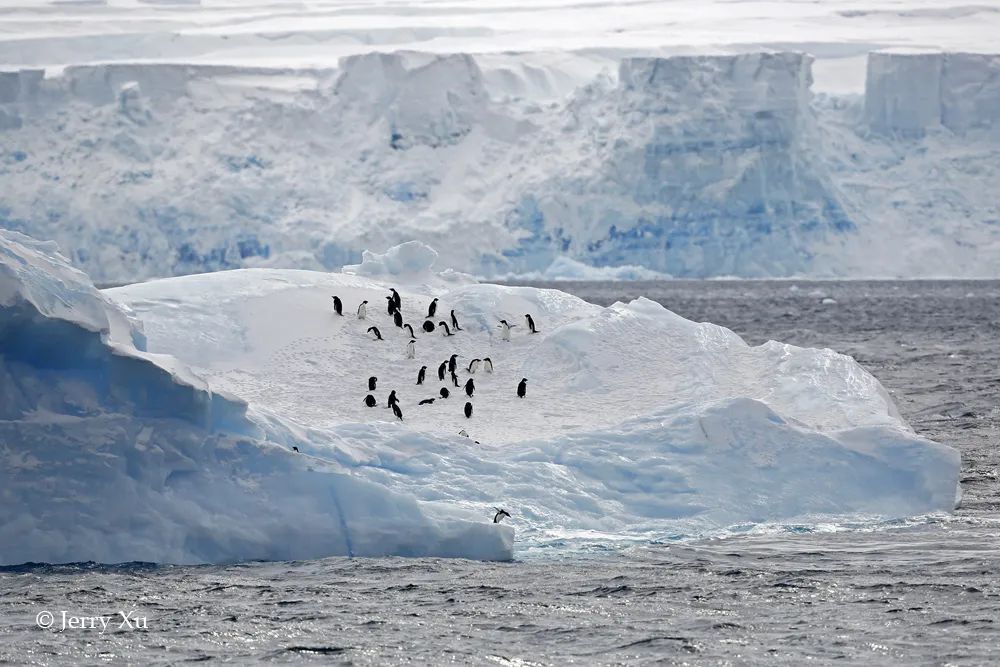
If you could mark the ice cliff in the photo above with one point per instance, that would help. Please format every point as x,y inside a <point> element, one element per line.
<point>684,165</point>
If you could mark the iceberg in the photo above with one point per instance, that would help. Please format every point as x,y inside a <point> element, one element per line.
<point>160,421</point>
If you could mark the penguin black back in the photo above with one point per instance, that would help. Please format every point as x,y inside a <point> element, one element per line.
<point>454,322</point>
<point>447,331</point>
<point>451,363</point>
<point>428,326</point>
<point>372,381</point>
<point>431,309</point>
<point>338,306</point>
<point>426,401</point>
<point>522,387</point>
<point>395,298</point>
<point>470,387</point>
<point>410,329</point>
<point>468,410</point>
<point>530,322</point>
<point>370,401</point>
<point>397,319</point>
<point>444,392</point>
<point>392,399</point>
<point>454,378</point>
<point>374,330</point>
<point>396,411</point>
<point>421,374</point>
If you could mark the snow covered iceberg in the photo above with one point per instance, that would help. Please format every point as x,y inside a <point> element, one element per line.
<point>111,453</point>
<point>638,424</point>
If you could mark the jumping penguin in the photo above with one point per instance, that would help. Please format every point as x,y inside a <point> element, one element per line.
<point>421,374</point>
<point>431,309</point>
<point>376,332</point>
<point>530,322</point>
<point>522,387</point>
<point>338,306</point>
<point>498,517</point>
<point>411,349</point>
<point>454,322</point>
<point>363,310</point>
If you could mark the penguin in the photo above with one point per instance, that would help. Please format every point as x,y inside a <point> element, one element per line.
<point>447,331</point>
<point>427,401</point>
<point>488,365</point>
<point>522,387</point>
<point>468,410</point>
<point>428,326</point>
<point>396,411</point>
<point>444,392</point>
<point>442,369</point>
<point>410,329</point>
<point>295,449</point>
<point>392,399</point>
<point>531,323</point>
<point>390,306</point>
<point>451,363</point>
<point>374,330</point>
<point>473,365</point>
<point>421,374</point>
<point>498,517</point>
<point>505,330</point>
<point>363,310</point>
<point>454,322</point>
<point>431,309</point>
<point>371,383</point>
<point>338,306</point>
<point>411,349</point>
<point>397,319</point>
<point>470,387</point>
<point>395,298</point>
<point>454,378</point>
<point>370,401</point>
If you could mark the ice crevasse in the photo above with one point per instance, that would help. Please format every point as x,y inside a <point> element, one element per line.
<point>156,421</point>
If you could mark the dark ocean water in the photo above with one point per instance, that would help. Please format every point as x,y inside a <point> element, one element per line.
<point>925,591</point>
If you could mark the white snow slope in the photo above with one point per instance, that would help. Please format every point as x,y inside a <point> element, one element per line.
<point>637,423</point>
<point>692,139</point>
<point>111,454</point>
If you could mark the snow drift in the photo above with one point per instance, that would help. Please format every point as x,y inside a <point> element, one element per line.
<point>111,453</point>
<point>684,165</point>
<point>637,424</point>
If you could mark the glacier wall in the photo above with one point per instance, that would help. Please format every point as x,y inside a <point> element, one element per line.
<point>686,165</point>
<point>910,93</point>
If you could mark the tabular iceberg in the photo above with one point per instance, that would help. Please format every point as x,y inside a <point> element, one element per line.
<point>156,421</point>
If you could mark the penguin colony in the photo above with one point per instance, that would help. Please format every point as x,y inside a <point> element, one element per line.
<point>447,369</point>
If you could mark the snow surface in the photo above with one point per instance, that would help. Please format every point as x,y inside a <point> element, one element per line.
<point>750,139</point>
<point>637,424</point>
<point>111,454</point>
